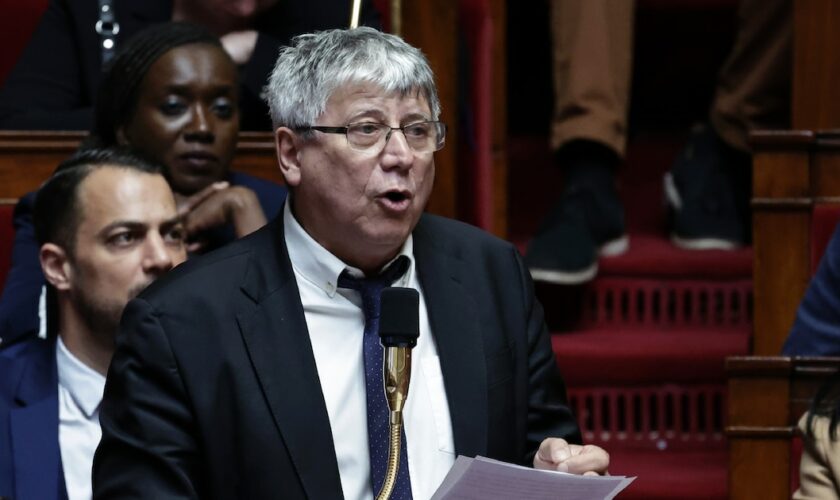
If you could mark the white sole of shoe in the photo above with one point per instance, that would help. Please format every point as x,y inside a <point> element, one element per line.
<point>672,194</point>
<point>564,277</point>
<point>673,198</point>
<point>703,243</point>
<point>615,247</point>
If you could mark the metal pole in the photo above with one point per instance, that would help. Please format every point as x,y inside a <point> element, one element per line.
<point>396,17</point>
<point>355,8</point>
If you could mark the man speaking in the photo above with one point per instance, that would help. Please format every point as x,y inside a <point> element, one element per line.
<point>253,372</point>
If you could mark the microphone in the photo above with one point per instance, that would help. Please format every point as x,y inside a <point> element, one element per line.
<point>399,327</point>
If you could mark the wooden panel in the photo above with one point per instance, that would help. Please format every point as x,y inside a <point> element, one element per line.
<point>781,271</point>
<point>781,174</point>
<point>768,460</point>
<point>767,396</point>
<point>432,26</point>
<point>816,64</point>
<point>500,165</point>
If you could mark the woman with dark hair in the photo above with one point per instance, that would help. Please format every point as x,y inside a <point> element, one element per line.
<point>169,94</point>
<point>819,471</point>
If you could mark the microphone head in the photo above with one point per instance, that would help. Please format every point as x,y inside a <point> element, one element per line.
<point>399,317</point>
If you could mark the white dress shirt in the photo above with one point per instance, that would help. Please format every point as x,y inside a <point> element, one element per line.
<point>335,321</point>
<point>80,389</point>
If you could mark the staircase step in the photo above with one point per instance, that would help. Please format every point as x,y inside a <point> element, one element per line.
<point>686,475</point>
<point>653,256</point>
<point>612,357</point>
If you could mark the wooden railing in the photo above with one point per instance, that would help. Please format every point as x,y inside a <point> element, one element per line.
<point>767,396</point>
<point>28,158</point>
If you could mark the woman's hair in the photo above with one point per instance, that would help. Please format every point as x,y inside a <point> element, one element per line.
<point>316,64</point>
<point>120,87</point>
<point>826,403</point>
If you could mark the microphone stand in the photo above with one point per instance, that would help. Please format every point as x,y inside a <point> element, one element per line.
<point>396,15</point>
<point>397,371</point>
<point>399,327</point>
<point>355,8</point>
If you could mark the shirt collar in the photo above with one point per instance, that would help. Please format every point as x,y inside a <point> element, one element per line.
<point>318,266</point>
<point>84,384</point>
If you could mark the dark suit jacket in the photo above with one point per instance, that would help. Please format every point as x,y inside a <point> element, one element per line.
<point>816,330</point>
<point>214,393</point>
<point>30,459</point>
<point>53,85</point>
<point>19,300</point>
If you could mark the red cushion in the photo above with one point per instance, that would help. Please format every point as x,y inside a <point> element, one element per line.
<point>601,357</point>
<point>823,222</point>
<point>7,234</point>
<point>696,474</point>
<point>17,25</point>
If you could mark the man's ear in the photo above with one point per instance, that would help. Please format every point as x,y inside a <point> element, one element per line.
<point>56,266</point>
<point>286,143</point>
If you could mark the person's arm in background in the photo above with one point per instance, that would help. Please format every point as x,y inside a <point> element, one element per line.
<point>44,91</point>
<point>19,302</point>
<point>816,330</point>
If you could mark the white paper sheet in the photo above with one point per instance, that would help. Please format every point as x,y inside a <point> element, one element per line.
<point>486,479</point>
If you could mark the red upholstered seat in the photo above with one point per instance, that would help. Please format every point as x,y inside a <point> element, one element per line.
<point>7,234</point>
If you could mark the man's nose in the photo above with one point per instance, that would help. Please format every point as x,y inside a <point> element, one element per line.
<point>397,153</point>
<point>157,258</point>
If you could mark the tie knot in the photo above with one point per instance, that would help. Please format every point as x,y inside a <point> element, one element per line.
<point>371,287</point>
<point>384,279</point>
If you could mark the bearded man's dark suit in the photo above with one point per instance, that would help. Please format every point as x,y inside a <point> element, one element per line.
<point>214,392</point>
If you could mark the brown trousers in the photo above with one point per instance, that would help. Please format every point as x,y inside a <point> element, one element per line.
<point>593,47</point>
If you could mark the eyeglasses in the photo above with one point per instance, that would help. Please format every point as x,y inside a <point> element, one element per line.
<point>422,137</point>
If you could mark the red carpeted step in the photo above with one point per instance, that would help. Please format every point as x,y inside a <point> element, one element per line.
<point>611,357</point>
<point>653,256</point>
<point>683,475</point>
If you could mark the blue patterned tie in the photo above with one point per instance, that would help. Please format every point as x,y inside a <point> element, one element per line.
<point>377,406</point>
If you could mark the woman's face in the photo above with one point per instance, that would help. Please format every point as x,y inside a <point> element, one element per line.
<point>187,116</point>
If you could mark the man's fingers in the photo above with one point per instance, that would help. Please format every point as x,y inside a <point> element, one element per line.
<point>551,454</point>
<point>586,459</point>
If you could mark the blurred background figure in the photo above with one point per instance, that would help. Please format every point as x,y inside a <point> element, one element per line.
<point>107,227</point>
<point>170,95</point>
<point>819,471</point>
<point>54,83</point>
<point>708,187</point>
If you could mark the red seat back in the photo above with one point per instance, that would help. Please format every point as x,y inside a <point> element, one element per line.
<point>824,219</point>
<point>17,25</point>
<point>7,234</point>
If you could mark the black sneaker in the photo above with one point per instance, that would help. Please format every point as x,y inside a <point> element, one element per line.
<point>587,222</point>
<point>708,193</point>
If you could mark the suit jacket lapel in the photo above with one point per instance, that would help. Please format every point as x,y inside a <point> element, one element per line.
<point>275,333</point>
<point>455,324</point>
<point>34,430</point>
